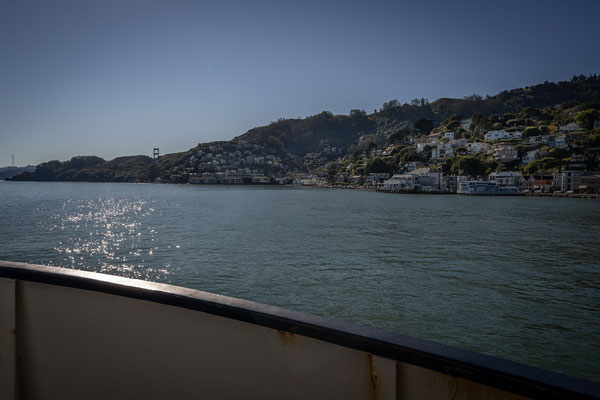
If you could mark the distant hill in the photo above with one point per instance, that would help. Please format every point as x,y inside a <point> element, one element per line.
<point>91,169</point>
<point>9,172</point>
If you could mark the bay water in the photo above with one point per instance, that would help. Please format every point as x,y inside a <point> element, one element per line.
<point>513,277</point>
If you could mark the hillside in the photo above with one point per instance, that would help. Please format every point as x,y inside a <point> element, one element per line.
<point>91,169</point>
<point>306,144</point>
<point>311,134</point>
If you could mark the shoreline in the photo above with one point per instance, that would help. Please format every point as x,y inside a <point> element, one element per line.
<point>362,188</point>
<point>378,190</point>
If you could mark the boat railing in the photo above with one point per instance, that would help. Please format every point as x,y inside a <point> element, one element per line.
<point>75,334</point>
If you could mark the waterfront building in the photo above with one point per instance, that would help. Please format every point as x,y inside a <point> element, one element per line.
<point>420,180</point>
<point>526,183</point>
<point>375,179</point>
<point>355,179</point>
<point>589,184</point>
<point>486,188</point>
<point>195,179</point>
<point>429,179</point>
<point>232,180</point>
<point>342,177</point>
<point>566,181</point>
<point>452,182</point>
<point>400,182</point>
<point>543,184</point>
<point>176,179</point>
<point>261,180</point>
<point>506,178</point>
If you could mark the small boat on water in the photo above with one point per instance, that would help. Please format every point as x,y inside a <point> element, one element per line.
<point>70,334</point>
<point>487,188</point>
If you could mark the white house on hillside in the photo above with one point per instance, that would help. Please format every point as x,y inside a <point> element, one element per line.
<point>442,152</point>
<point>531,156</point>
<point>505,153</point>
<point>497,135</point>
<point>466,124</point>
<point>572,127</point>
<point>502,134</point>
<point>478,147</point>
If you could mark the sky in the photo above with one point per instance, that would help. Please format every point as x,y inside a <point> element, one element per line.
<point>120,77</point>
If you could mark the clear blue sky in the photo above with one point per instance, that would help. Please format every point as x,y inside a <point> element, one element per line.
<point>119,77</point>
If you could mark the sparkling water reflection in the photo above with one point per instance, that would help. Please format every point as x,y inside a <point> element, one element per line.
<point>512,277</point>
<point>115,235</point>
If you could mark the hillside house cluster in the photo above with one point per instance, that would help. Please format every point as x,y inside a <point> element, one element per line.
<point>236,162</point>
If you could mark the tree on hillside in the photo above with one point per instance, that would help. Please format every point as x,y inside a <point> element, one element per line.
<point>465,165</point>
<point>377,165</point>
<point>356,113</point>
<point>473,97</point>
<point>419,102</point>
<point>531,131</point>
<point>398,136</point>
<point>508,116</point>
<point>391,104</point>
<point>530,113</point>
<point>586,118</point>
<point>424,125</point>
<point>410,154</point>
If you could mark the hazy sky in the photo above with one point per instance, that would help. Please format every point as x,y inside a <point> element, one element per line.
<point>119,77</point>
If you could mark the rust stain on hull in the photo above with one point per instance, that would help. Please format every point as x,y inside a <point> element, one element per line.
<point>287,338</point>
<point>375,378</point>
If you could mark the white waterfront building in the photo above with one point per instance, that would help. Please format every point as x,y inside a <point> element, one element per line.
<point>486,188</point>
<point>420,180</point>
<point>506,178</point>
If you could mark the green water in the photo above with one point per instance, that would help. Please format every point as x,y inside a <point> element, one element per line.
<point>515,277</point>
